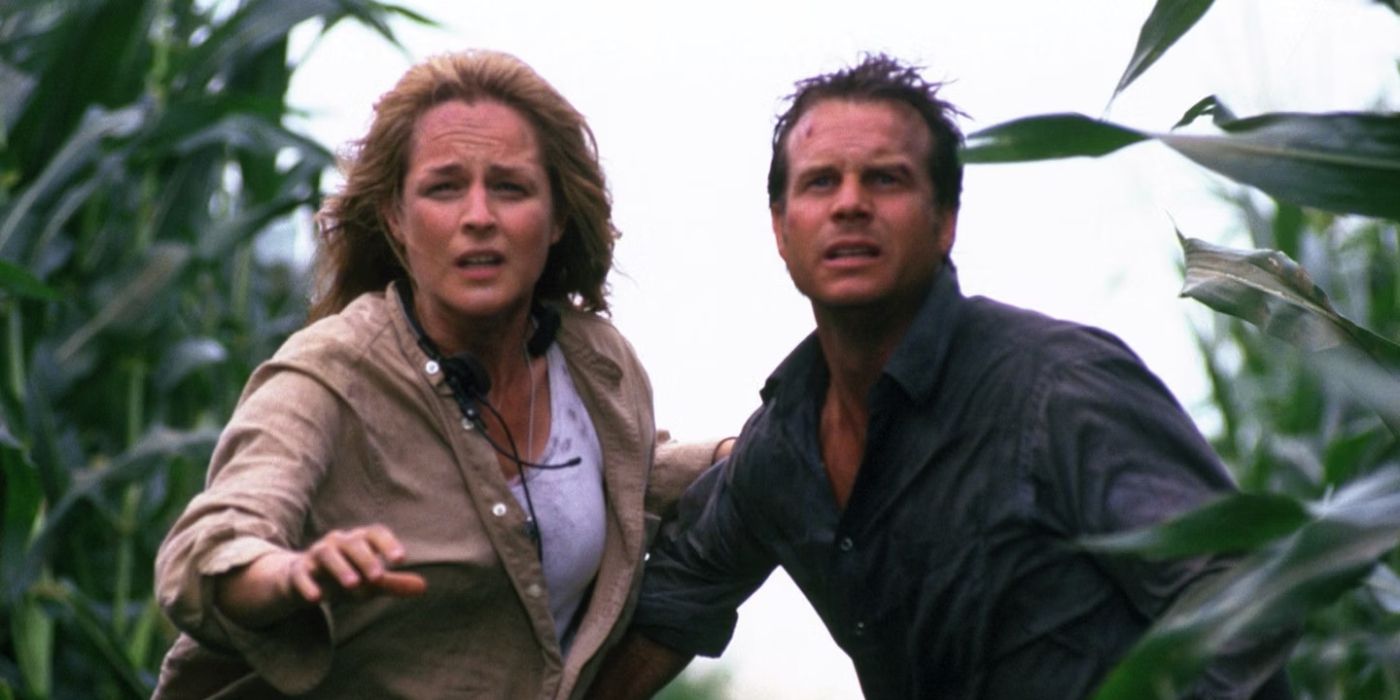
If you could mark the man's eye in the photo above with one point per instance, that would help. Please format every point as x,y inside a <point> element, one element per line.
<point>821,181</point>
<point>883,178</point>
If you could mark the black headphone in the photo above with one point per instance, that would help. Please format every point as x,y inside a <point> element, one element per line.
<point>470,382</point>
<point>468,378</point>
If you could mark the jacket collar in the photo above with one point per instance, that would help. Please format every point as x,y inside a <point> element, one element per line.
<point>572,336</point>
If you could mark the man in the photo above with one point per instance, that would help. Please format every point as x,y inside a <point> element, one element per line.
<point>922,464</point>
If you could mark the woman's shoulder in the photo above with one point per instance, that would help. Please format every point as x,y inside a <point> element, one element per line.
<point>592,330</point>
<point>343,340</point>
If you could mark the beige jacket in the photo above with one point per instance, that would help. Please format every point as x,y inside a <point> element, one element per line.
<point>350,424</point>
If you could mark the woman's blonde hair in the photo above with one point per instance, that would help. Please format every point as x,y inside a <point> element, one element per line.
<point>356,254</point>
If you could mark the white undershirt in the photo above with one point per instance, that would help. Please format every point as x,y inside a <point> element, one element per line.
<point>568,502</point>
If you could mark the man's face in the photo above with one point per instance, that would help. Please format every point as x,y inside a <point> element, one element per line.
<point>858,226</point>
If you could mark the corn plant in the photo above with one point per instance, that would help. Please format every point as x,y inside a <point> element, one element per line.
<point>143,158</point>
<point>1309,398</point>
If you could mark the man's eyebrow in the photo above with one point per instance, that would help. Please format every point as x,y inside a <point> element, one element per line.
<point>891,163</point>
<point>812,168</point>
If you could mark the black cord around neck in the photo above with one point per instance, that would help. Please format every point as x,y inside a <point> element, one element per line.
<point>470,382</point>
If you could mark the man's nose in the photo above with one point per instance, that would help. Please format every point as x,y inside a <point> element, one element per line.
<point>852,200</point>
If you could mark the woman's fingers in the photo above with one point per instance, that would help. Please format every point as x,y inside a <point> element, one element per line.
<point>360,552</point>
<point>401,585</point>
<point>303,583</point>
<point>384,541</point>
<point>358,562</point>
<point>328,558</point>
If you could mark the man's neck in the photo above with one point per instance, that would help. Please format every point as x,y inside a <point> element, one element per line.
<point>856,344</point>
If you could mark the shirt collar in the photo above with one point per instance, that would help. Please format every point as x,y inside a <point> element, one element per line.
<point>914,366</point>
<point>918,360</point>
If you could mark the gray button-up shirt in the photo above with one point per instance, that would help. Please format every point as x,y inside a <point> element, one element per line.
<point>997,436</point>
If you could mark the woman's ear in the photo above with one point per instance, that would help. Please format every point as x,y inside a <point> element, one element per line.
<point>389,214</point>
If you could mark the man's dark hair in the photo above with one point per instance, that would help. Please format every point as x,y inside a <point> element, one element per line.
<point>878,78</point>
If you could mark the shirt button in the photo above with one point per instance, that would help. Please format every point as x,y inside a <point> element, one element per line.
<point>860,629</point>
<point>846,544</point>
<point>431,367</point>
<point>498,510</point>
<point>533,590</point>
<point>467,424</point>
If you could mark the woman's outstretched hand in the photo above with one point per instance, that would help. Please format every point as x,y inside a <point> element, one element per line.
<point>356,563</point>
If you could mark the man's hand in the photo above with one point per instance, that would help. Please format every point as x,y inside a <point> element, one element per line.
<point>353,562</point>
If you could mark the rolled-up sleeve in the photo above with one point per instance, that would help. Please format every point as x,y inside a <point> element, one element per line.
<point>704,566</point>
<point>262,478</point>
<point>676,467</point>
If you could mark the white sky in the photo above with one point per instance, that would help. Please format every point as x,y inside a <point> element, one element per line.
<point>682,99</point>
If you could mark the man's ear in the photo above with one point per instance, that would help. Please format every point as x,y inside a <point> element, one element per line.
<point>775,210</point>
<point>947,231</point>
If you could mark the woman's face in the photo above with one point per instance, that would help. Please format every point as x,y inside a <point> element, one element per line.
<point>475,218</point>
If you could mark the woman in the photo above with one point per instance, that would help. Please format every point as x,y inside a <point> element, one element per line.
<point>442,486</point>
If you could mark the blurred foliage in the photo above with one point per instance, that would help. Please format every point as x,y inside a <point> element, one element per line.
<point>1306,423</point>
<point>1304,368</point>
<point>143,158</point>
<point>142,161</point>
<point>693,684</point>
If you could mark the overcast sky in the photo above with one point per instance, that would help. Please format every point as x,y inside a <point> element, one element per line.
<point>682,100</point>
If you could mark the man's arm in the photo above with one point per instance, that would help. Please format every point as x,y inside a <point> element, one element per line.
<point>704,564</point>
<point>637,668</point>
<point>1127,456</point>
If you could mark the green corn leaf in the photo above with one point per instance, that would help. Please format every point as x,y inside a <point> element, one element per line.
<point>1385,587</point>
<point>1210,106</point>
<point>256,25</point>
<point>375,16</point>
<point>188,356</point>
<point>7,437</point>
<point>157,447</point>
<point>89,620</point>
<point>81,149</point>
<point>33,633</point>
<point>242,227</point>
<point>1168,22</point>
<point>1235,523</point>
<point>163,263</point>
<point>143,635</point>
<point>1271,291</point>
<point>15,86</point>
<point>1346,162</point>
<point>256,134</point>
<point>24,500</point>
<point>1269,592</point>
<point>1047,137</point>
<point>1268,289</point>
<point>17,280</point>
